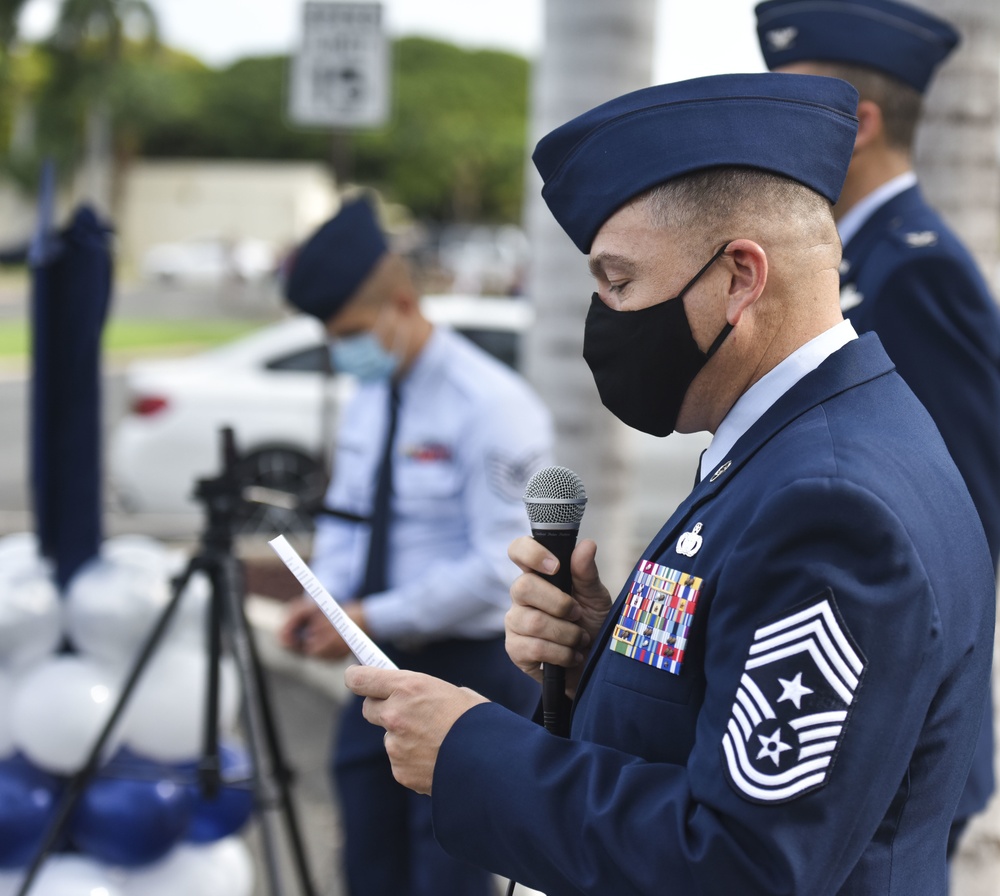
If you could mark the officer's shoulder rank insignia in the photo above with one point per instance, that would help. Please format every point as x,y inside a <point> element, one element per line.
<point>921,239</point>
<point>793,704</point>
<point>850,297</point>
<point>655,621</point>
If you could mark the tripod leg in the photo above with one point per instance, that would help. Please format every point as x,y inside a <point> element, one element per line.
<point>282,772</point>
<point>271,774</point>
<point>209,768</point>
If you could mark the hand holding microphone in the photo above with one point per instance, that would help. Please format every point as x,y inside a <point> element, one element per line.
<point>555,500</point>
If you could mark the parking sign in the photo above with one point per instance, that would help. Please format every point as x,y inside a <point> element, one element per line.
<point>340,74</point>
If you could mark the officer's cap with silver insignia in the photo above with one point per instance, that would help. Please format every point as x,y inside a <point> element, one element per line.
<point>894,38</point>
<point>594,164</point>
<point>330,266</point>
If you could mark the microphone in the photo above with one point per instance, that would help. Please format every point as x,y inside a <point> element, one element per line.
<point>555,500</point>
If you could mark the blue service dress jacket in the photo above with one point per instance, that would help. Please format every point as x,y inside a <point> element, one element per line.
<point>787,691</point>
<point>906,276</point>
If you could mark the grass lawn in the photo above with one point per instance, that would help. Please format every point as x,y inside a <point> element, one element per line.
<point>124,337</point>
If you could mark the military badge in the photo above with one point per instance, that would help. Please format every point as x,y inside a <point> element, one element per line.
<point>690,542</point>
<point>428,452</point>
<point>850,297</point>
<point>656,619</point>
<point>720,471</point>
<point>782,38</point>
<point>792,705</point>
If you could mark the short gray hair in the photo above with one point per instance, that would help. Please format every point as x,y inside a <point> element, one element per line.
<point>717,200</point>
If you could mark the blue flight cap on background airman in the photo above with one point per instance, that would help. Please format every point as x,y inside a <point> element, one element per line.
<point>893,38</point>
<point>330,266</point>
<point>798,126</point>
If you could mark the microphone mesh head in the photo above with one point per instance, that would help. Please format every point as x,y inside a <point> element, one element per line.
<point>555,496</point>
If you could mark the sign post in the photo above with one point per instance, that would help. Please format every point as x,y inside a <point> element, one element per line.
<point>340,73</point>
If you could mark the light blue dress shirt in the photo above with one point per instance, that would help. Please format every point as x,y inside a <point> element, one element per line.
<point>752,404</point>
<point>469,436</point>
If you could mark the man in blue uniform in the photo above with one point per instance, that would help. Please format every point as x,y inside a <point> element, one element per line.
<point>418,561</point>
<point>905,273</point>
<point>822,602</point>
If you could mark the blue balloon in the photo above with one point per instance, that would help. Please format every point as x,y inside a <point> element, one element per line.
<point>131,821</point>
<point>29,798</point>
<point>231,807</point>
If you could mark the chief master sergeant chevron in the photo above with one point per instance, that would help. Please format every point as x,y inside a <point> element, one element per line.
<point>822,602</point>
<point>905,273</point>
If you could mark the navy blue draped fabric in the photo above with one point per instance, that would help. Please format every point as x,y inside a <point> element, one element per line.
<point>71,290</point>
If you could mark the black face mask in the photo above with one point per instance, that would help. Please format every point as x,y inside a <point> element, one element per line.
<point>645,361</point>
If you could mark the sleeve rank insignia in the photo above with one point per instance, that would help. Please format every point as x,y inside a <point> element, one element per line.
<point>507,475</point>
<point>792,705</point>
<point>656,619</point>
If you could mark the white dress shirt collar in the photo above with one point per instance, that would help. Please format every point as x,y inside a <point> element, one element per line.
<point>752,404</point>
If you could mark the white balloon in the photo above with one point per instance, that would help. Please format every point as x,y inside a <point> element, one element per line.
<point>7,748</point>
<point>19,547</point>
<point>58,710</point>
<point>165,716</point>
<point>114,601</point>
<point>222,868</point>
<point>143,548</point>
<point>66,874</point>
<point>228,868</point>
<point>171,875</point>
<point>30,611</point>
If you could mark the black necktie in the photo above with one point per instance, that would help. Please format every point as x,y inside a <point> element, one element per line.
<point>697,469</point>
<point>378,546</point>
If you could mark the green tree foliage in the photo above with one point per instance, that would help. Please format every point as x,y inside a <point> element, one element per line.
<point>10,12</point>
<point>89,66</point>
<point>455,146</point>
<point>452,150</point>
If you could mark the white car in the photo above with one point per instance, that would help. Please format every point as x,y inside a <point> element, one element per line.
<point>209,260</point>
<point>274,389</point>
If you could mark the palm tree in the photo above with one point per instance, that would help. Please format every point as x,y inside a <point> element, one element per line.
<point>10,13</point>
<point>88,46</point>
<point>98,28</point>
<point>957,164</point>
<point>593,50</point>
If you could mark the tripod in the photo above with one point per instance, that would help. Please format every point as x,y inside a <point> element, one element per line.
<point>221,497</point>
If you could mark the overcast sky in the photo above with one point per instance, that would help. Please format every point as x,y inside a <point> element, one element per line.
<point>693,38</point>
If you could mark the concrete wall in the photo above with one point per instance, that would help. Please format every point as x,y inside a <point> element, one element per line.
<point>17,215</point>
<point>168,201</point>
<point>279,202</point>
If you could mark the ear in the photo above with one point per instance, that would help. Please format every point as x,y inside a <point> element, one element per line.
<point>404,299</point>
<point>747,263</point>
<point>870,124</point>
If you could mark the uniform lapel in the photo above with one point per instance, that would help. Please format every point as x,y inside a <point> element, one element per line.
<point>859,361</point>
<point>873,231</point>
